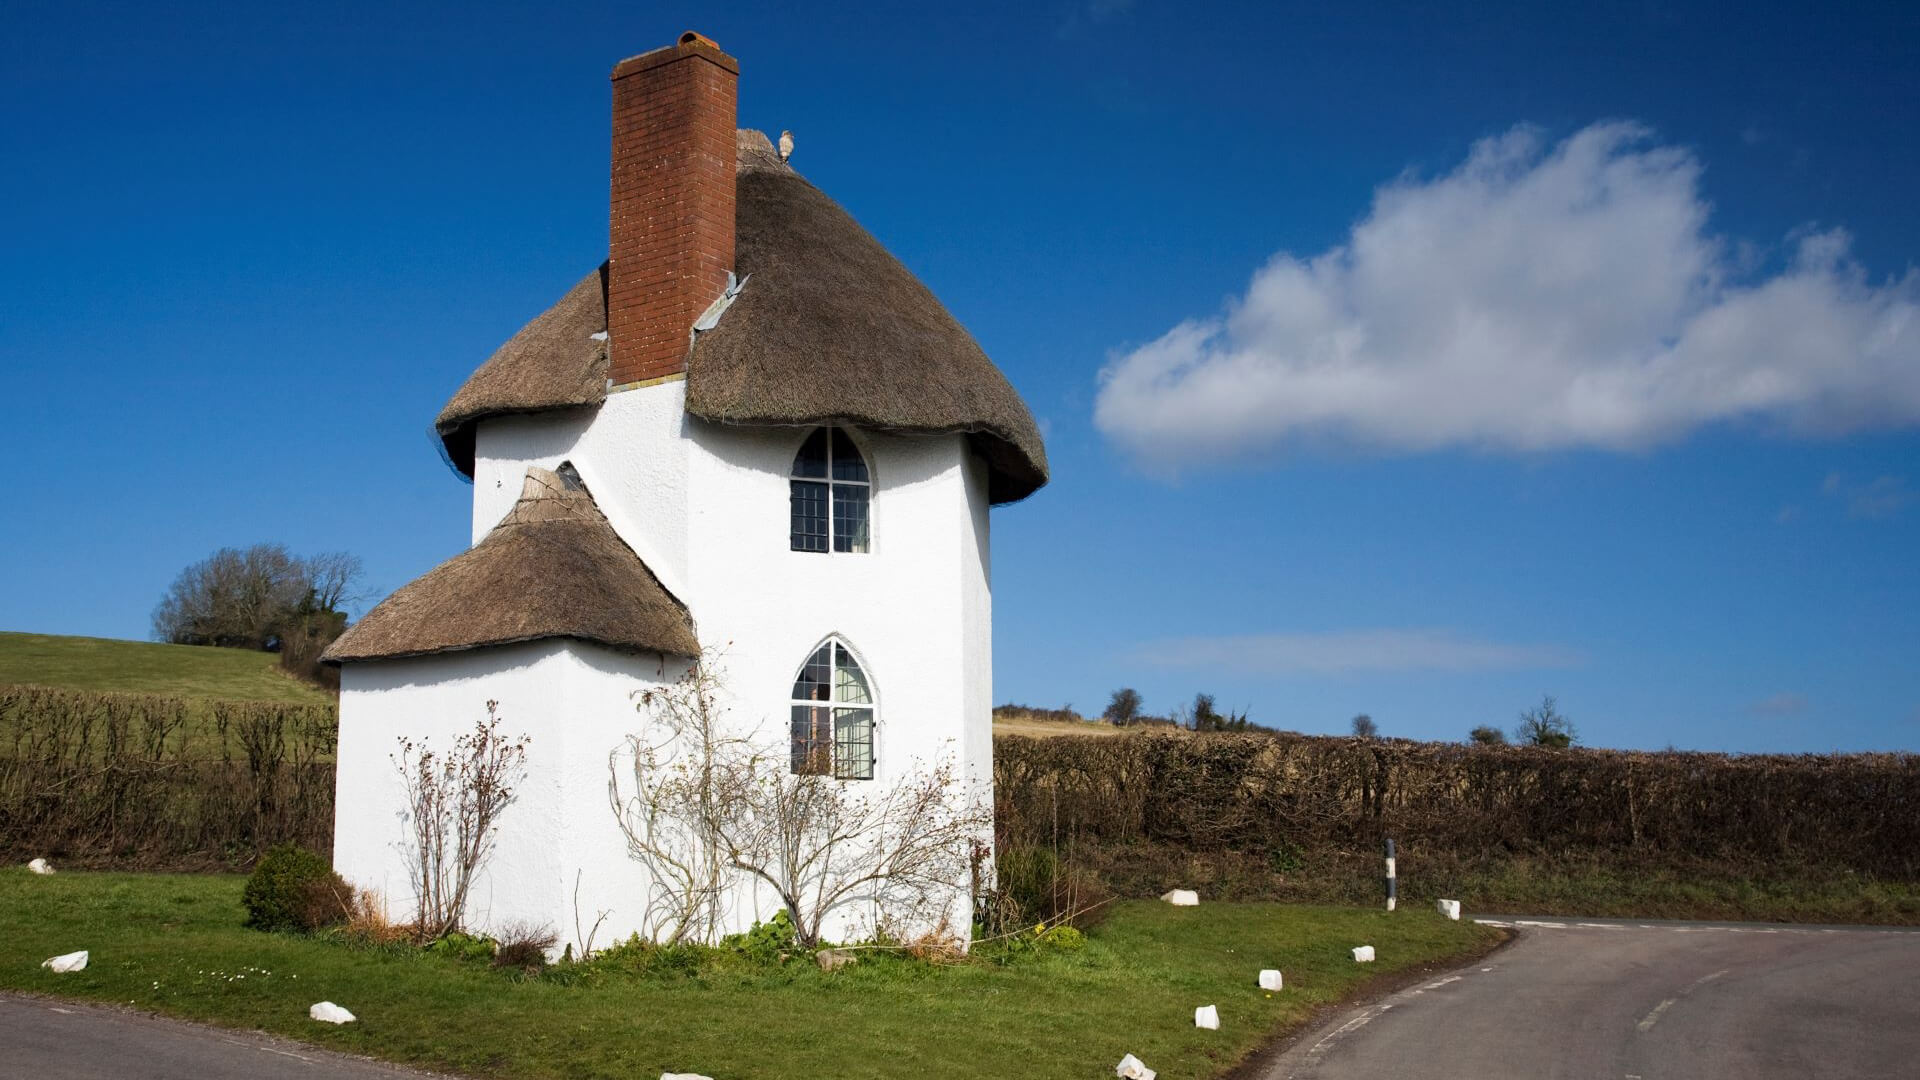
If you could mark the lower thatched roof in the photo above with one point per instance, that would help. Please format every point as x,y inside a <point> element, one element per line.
<point>830,328</point>
<point>553,567</point>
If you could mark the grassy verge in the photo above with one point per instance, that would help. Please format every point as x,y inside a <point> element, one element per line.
<point>174,945</point>
<point>143,667</point>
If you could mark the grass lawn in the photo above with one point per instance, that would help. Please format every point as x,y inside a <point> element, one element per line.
<point>189,671</point>
<point>174,945</point>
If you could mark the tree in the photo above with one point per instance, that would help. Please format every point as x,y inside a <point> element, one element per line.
<point>1486,735</point>
<point>1364,727</point>
<point>262,598</point>
<point>1124,709</point>
<point>1544,725</point>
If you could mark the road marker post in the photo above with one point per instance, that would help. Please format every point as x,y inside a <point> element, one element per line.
<point>1393,891</point>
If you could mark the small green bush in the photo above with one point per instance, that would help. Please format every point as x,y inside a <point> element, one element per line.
<point>461,946</point>
<point>292,888</point>
<point>767,942</point>
<point>637,956</point>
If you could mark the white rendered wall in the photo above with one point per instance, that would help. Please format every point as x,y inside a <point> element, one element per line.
<point>706,505</point>
<point>574,700</point>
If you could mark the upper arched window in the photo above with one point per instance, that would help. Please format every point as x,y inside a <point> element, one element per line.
<point>830,495</point>
<point>833,716</point>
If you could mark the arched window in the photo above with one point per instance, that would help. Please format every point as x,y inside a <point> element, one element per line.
<point>833,716</point>
<point>829,494</point>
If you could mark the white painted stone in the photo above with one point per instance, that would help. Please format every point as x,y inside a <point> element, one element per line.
<point>40,866</point>
<point>1132,1068</point>
<point>328,1013</point>
<point>684,1076</point>
<point>1181,898</point>
<point>1449,908</point>
<point>706,506</point>
<point>1269,979</point>
<point>67,962</point>
<point>1207,1016</point>
<point>1363,955</point>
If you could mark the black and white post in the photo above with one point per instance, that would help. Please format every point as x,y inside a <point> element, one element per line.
<point>1393,890</point>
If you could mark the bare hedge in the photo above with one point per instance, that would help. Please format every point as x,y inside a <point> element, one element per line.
<point>155,781</point>
<point>1271,794</point>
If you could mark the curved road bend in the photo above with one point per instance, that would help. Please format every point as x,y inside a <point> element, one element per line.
<point>47,1039</point>
<point>1631,1000</point>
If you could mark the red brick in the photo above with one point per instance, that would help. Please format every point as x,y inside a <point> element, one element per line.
<point>671,207</point>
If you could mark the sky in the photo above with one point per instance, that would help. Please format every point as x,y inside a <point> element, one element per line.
<point>1410,360</point>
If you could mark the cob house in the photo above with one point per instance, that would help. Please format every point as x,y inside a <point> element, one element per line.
<point>750,433</point>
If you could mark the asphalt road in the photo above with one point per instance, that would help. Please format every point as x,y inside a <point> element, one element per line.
<point>43,1039</point>
<point>1642,1001</point>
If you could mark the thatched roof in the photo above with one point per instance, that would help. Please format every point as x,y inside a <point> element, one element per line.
<point>830,329</point>
<point>557,361</point>
<point>553,567</point>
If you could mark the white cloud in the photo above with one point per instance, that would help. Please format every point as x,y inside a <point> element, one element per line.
<point>1881,497</point>
<point>1340,652</point>
<point>1535,298</point>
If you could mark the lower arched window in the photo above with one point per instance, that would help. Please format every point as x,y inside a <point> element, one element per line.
<point>833,708</point>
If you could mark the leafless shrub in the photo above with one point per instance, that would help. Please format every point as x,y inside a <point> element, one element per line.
<point>454,801</point>
<point>523,945</point>
<point>705,808</point>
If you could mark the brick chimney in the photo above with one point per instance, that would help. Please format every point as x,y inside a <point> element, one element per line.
<point>671,236</point>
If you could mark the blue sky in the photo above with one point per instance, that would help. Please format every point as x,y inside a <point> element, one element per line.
<point>1403,360</point>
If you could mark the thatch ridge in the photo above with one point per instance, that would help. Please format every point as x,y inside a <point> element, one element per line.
<point>831,329</point>
<point>553,567</point>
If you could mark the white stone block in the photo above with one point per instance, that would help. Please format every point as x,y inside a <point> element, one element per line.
<point>328,1013</point>
<point>684,1076</point>
<point>73,961</point>
<point>1207,1016</point>
<point>39,866</point>
<point>1132,1068</point>
<point>1363,954</point>
<point>1269,979</point>
<point>1182,898</point>
<point>1449,908</point>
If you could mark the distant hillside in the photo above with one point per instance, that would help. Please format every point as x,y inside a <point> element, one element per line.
<point>144,667</point>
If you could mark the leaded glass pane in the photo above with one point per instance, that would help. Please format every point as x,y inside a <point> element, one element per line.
<point>808,501</point>
<point>812,459</point>
<point>812,741</point>
<point>850,521</point>
<point>849,682</point>
<point>847,462</point>
<point>814,677</point>
<point>853,744</point>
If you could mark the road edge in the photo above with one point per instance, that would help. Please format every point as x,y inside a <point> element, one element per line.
<point>1259,1064</point>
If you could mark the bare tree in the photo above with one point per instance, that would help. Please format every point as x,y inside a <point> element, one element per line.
<point>454,801</point>
<point>1124,709</point>
<point>1364,727</point>
<point>257,598</point>
<point>331,578</point>
<point>705,808</point>
<point>1543,725</point>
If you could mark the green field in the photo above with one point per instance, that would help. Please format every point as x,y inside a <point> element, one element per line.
<point>173,944</point>
<point>145,667</point>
